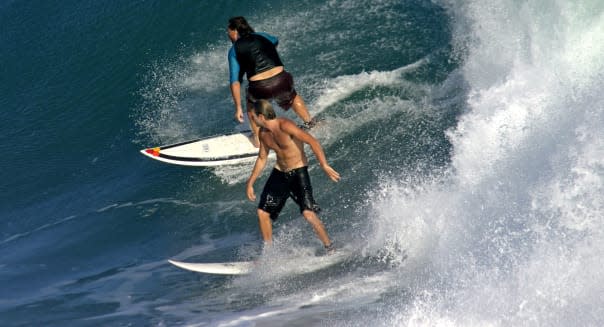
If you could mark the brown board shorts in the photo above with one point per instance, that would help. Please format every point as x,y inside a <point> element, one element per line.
<point>279,87</point>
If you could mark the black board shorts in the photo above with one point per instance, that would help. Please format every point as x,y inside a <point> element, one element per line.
<point>279,87</point>
<point>282,185</point>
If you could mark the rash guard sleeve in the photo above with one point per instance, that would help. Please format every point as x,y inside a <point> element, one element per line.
<point>234,69</point>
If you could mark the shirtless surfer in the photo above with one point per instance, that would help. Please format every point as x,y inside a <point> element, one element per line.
<point>289,177</point>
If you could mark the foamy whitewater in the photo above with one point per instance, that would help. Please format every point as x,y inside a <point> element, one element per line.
<point>511,234</point>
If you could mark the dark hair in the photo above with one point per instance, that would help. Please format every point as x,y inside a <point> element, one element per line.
<point>240,24</point>
<point>263,107</point>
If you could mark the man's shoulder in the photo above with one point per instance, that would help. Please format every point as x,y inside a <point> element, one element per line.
<point>267,36</point>
<point>284,119</point>
<point>286,122</point>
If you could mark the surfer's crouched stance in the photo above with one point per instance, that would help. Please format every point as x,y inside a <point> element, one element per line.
<point>290,177</point>
<point>254,54</point>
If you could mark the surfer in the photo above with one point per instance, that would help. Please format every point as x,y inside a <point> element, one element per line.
<point>255,54</point>
<point>289,177</point>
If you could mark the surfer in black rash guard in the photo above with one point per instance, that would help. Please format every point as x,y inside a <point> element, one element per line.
<point>255,54</point>
<point>290,177</point>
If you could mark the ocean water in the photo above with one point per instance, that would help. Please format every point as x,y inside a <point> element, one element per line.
<point>469,136</point>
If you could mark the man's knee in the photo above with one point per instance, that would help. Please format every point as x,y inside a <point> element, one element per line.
<point>310,215</point>
<point>263,215</point>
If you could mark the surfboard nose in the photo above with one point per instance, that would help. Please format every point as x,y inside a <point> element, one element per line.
<point>153,151</point>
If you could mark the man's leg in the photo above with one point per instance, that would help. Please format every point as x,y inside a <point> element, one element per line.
<point>318,226</point>
<point>266,226</point>
<point>300,108</point>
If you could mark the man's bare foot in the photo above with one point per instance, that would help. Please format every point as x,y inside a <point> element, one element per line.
<point>330,249</point>
<point>309,124</point>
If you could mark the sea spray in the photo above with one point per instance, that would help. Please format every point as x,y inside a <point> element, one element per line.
<point>512,235</point>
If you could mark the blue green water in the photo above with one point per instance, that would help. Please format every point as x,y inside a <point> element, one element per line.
<point>468,135</point>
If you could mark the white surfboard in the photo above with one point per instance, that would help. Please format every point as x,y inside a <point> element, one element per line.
<point>218,150</point>
<point>299,265</point>
<point>220,268</point>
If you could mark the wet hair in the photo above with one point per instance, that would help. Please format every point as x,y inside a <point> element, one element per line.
<point>240,24</point>
<point>263,107</point>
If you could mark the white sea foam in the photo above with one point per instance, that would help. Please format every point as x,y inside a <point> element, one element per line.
<point>512,234</point>
<point>343,86</point>
<point>179,96</point>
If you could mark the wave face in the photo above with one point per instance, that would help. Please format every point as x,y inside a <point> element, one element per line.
<point>468,134</point>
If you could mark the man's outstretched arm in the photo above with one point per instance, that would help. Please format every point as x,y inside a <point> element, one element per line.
<point>315,146</point>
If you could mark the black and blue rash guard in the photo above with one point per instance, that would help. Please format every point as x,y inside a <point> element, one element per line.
<point>252,54</point>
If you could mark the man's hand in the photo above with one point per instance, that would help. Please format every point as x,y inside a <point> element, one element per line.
<point>239,114</point>
<point>250,192</point>
<point>331,173</point>
<point>236,94</point>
